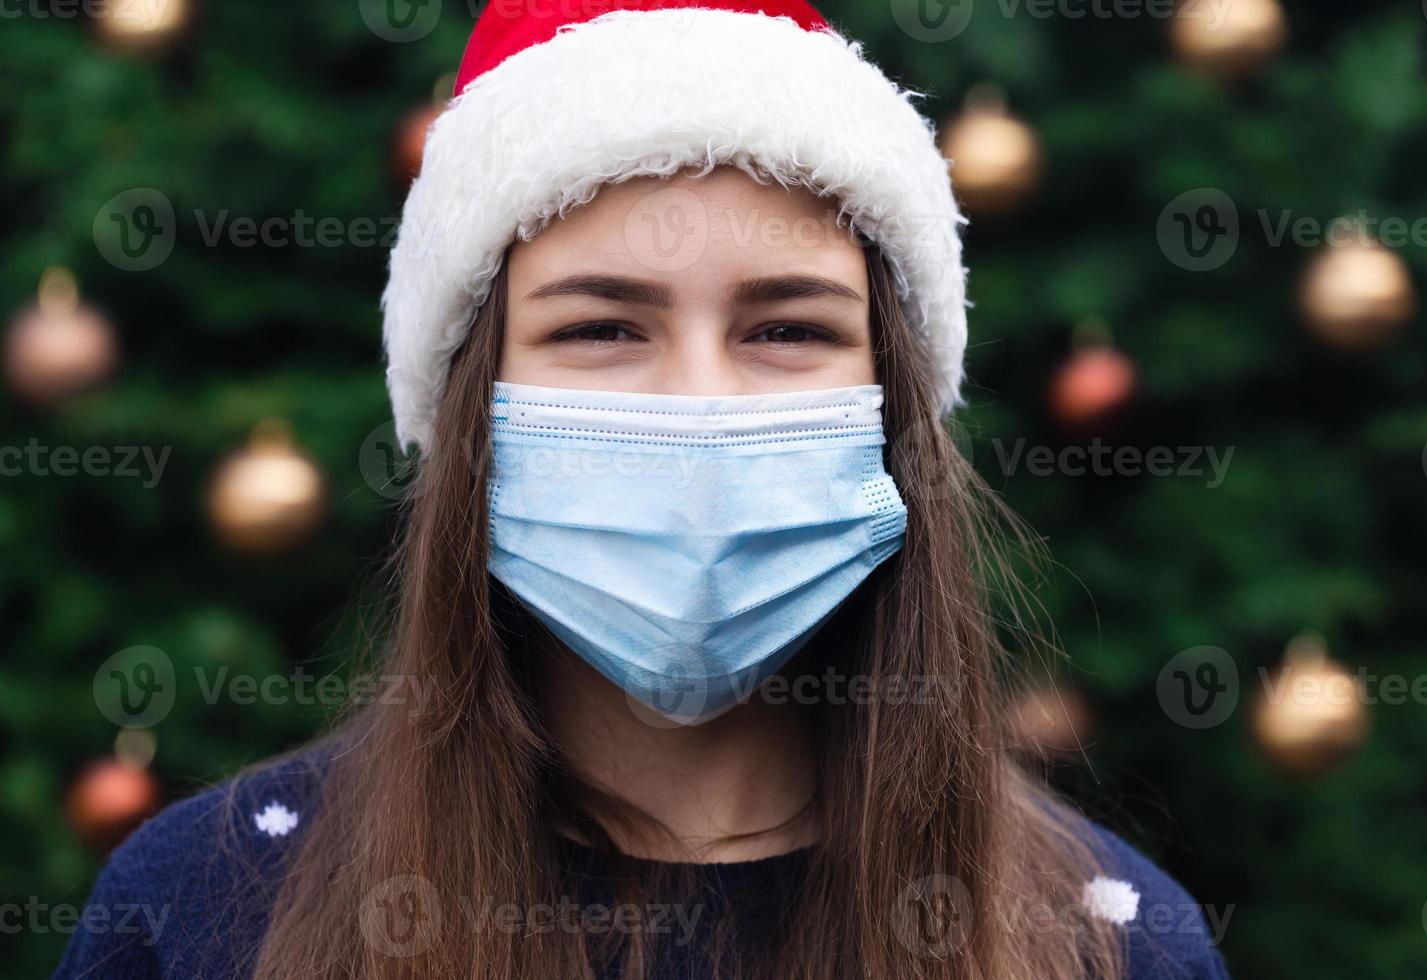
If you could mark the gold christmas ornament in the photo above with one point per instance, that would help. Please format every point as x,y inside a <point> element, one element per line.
<point>1357,294</point>
<point>136,746</point>
<point>268,497</point>
<point>142,25</point>
<point>1312,714</point>
<point>996,158</point>
<point>1228,40</point>
<point>59,347</point>
<point>1050,722</point>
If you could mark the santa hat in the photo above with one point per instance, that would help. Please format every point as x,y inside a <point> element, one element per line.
<point>556,100</point>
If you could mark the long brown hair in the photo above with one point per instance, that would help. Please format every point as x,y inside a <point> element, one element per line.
<point>935,856</point>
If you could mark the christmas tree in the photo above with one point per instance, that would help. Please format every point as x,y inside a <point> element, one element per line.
<point>1221,441</point>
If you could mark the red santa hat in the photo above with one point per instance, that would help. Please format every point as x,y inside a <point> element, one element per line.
<point>555,100</point>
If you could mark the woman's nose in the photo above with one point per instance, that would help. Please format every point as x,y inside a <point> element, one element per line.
<point>698,360</point>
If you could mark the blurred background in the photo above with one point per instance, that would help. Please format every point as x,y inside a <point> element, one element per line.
<point>1197,251</point>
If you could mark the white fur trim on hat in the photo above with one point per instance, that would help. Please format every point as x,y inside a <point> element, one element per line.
<point>634,93</point>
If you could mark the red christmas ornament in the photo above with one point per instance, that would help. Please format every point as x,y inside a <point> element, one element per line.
<point>1091,388</point>
<point>410,143</point>
<point>109,800</point>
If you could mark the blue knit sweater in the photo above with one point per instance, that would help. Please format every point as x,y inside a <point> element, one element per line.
<point>187,896</point>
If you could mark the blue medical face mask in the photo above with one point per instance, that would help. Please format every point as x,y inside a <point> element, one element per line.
<point>688,546</point>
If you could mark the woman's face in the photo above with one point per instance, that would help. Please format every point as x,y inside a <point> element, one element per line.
<point>699,286</point>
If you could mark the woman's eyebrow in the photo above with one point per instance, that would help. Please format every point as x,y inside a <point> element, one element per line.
<point>764,289</point>
<point>620,289</point>
<point>771,289</point>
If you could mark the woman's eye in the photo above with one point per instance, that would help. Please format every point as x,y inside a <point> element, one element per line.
<point>790,333</point>
<point>602,332</point>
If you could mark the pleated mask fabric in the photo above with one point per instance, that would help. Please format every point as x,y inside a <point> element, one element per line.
<point>687,546</point>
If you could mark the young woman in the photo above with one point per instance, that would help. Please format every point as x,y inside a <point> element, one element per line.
<point>693,594</point>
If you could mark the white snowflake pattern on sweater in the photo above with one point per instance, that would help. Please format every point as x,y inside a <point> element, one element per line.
<point>1112,900</point>
<point>276,821</point>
